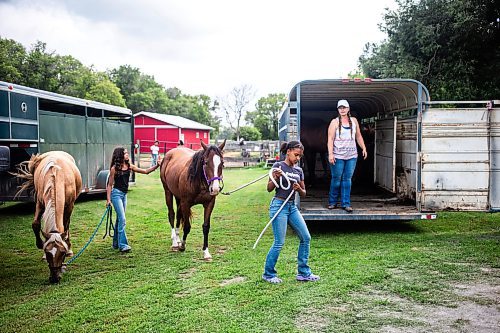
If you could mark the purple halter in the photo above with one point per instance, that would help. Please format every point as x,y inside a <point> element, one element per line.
<point>213,178</point>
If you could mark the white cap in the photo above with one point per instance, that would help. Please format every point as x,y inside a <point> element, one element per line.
<point>342,102</point>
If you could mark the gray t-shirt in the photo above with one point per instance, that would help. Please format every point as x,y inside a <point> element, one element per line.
<point>294,172</point>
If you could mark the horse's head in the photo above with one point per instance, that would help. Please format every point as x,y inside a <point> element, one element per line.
<point>213,162</point>
<point>56,249</point>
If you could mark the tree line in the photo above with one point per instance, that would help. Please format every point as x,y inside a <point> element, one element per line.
<point>452,47</point>
<point>127,86</point>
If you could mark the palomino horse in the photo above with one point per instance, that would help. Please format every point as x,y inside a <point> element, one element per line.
<point>192,178</point>
<point>57,183</point>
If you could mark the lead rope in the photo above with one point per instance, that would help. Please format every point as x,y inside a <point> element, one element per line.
<point>289,183</point>
<point>107,212</point>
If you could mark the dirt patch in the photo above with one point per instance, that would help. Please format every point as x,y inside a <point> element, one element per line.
<point>472,307</point>
<point>476,311</point>
<point>185,275</point>
<point>238,279</point>
<point>312,321</point>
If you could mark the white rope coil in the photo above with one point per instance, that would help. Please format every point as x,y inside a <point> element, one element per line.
<point>282,186</point>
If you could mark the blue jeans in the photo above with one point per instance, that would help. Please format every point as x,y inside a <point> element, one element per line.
<point>340,186</point>
<point>154,160</point>
<point>288,215</point>
<point>119,201</point>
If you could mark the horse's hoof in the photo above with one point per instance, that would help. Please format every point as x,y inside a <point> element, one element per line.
<point>182,248</point>
<point>174,248</point>
<point>206,255</point>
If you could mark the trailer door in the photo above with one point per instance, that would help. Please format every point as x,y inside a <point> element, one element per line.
<point>385,154</point>
<point>459,159</point>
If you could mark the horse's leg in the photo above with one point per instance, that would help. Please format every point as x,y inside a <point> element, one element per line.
<point>324,163</point>
<point>178,222</point>
<point>311,165</point>
<point>36,225</point>
<point>171,216</point>
<point>67,220</point>
<point>208,208</point>
<point>185,210</point>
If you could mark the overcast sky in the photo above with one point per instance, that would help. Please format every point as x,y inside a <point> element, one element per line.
<point>204,47</point>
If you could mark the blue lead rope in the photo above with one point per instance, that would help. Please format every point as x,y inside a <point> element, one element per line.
<point>108,212</point>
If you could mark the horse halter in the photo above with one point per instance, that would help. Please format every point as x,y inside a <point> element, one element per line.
<point>213,178</point>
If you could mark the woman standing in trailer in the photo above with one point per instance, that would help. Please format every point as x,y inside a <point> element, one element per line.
<point>343,133</point>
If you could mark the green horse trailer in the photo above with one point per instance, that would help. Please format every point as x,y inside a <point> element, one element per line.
<point>34,121</point>
<point>423,156</point>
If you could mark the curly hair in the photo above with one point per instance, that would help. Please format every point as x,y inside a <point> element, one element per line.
<point>118,158</point>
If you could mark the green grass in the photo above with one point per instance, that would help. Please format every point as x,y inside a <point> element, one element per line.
<point>154,290</point>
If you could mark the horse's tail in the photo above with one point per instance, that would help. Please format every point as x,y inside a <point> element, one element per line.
<point>26,171</point>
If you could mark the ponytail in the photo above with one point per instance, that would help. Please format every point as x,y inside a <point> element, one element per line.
<point>290,145</point>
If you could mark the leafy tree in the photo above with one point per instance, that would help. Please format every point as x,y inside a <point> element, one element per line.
<point>249,133</point>
<point>40,69</point>
<point>265,118</point>
<point>12,56</point>
<point>105,91</point>
<point>453,47</point>
<point>74,79</point>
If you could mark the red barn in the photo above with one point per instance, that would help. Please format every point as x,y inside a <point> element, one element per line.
<point>168,130</point>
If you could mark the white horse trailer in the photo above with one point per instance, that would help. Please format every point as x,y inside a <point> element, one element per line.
<point>423,156</point>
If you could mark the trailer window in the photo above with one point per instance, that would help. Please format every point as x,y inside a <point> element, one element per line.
<point>55,106</point>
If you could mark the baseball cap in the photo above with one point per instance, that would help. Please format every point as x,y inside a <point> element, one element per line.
<point>342,102</point>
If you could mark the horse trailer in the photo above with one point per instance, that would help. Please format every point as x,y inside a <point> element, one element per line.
<point>423,156</point>
<point>34,121</point>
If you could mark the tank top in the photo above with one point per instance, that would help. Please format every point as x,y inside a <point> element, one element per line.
<point>344,145</point>
<point>121,180</point>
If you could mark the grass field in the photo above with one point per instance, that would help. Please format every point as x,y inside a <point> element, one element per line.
<point>424,276</point>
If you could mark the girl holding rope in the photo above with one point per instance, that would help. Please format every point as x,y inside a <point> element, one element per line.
<point>287,176</point>
<point>116,190</point>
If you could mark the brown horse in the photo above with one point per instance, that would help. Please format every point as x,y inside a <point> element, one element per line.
<point>192,178</point>
<point>314,137</point>
<point>56,182</point>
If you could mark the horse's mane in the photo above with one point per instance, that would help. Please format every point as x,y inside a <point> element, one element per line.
<point>49,194</point>
<point>195,173</point>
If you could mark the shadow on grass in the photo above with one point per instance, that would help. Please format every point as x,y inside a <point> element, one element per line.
<point>359,226</point>
<point>17,208</point>
<point>85,197</point>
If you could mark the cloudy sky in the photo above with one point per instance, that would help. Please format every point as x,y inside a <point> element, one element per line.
<point>204,47</point>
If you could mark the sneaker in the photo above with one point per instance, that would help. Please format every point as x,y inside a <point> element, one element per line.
<point>333,206</point>
<point>348,209</point>
<point>310,278</point>
<point>273,280</point>
<point>126,249</point>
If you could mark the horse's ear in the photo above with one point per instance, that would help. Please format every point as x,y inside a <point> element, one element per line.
<point>203,145</point>
<point>221,146</point>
